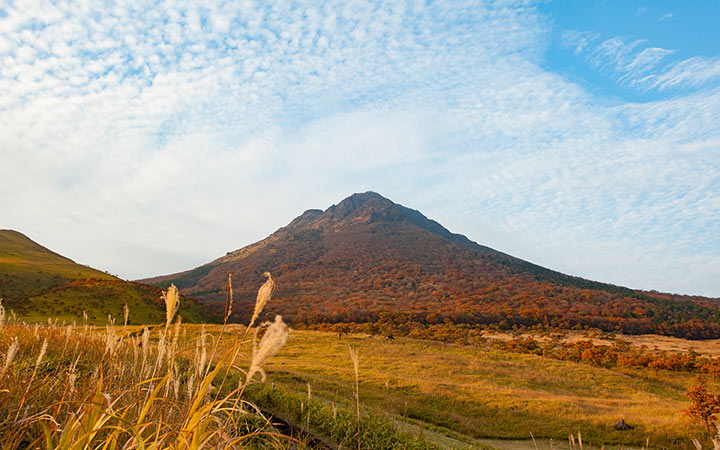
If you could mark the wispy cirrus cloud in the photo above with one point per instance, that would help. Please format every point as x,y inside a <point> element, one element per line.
<point>629,60</point>
<point>691,72</point>
<point>635,64</point>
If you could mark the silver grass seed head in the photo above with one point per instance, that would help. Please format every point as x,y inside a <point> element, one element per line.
<point>145,342</point>
<point>126,313</point>
<point>9,355</point>
<point>263,296</point>
<point>355,359</point>
<point>176,382</point>
<point>172,303</point>
<point>161,350</point>
<point>43,349</point>
<point>229,298</point>
<point>272,341</point>
<point>72,378</point>
<point>176,333</point>
<point>190,385</point>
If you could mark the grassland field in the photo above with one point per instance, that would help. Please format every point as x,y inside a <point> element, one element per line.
<point>477,396</point>
<point>413,393</point>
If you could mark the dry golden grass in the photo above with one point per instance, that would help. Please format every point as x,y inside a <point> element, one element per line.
<point>709,347</point>
<point>128,387</point>
<point>489,393</point>
<point>169,386</point>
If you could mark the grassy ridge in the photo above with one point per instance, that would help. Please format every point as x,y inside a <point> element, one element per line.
<point>98,298</point>
<point>38,284</point>
<point>27,268</point>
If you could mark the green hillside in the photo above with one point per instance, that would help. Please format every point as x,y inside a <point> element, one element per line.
<point>37,284</point>
<point>27,268</point>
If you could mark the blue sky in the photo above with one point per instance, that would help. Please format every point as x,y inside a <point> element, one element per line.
<point>151,137</point>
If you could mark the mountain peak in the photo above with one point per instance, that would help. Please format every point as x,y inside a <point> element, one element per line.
<point>369,196</point>
<point>360,201</point>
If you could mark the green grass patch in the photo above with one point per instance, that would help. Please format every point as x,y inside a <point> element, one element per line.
<point>336,424</point>
<point>98,298</point>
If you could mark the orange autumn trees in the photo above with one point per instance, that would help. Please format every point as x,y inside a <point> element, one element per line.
<point>367,256</point>
<point>704,406</point>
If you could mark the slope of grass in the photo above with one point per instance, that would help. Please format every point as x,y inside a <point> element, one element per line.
<point>38,284</point>
<point>337,425</point>
<point>98,298</point>
<point>27,268</point>
<point>77,388</point>
<point>467,393</point>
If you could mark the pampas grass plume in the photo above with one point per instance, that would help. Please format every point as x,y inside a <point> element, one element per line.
<point>272,341</point>
<point>356,367</point>
<point>263,296</point>
<point>229,298</point>
<point>9,355</point>
<point>41,355</point>
<point>126,312</point>
<point>200,353</point>
<point>172,302</point>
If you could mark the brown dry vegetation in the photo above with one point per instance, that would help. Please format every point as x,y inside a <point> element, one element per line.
<point>473,393</point>
<point>459,392</point>
<point>709,347</point>
<point>167,387</point>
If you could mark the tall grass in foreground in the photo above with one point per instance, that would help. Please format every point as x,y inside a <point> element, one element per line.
<point>165,387</point>
<point>81,388</point>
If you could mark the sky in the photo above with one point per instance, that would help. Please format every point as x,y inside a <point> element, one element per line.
<point>146,138</point>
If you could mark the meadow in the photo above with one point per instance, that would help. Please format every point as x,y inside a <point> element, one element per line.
<point>169,386</point>
<point>175,385</point>
<point>136,390</point>
<point>473,393</point>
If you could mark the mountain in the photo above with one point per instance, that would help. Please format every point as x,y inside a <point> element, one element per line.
<point>37,284</point>
<point>369,259</point>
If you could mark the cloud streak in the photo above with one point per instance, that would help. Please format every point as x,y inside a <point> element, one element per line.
<point>635,64</point>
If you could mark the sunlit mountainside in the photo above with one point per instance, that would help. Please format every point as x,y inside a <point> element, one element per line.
<point>368,259</point>
<point>37,284</point>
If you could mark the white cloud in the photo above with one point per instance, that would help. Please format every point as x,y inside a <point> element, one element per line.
<point>638,65</point>
<point>159,137</point>
<point>692,72</point>
<point>579,40</point>
<point>629,60</point>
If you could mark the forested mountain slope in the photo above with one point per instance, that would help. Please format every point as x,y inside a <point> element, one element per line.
<point>369,259</point>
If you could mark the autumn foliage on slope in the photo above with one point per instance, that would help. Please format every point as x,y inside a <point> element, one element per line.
<point>368,259</point>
